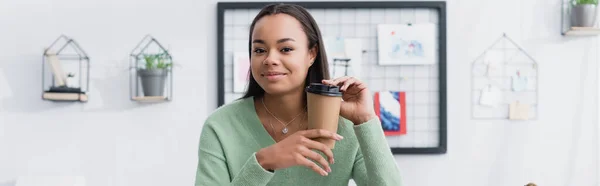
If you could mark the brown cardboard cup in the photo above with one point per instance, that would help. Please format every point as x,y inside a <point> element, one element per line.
<point>323,105</point>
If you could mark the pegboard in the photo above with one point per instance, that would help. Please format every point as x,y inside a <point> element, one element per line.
<point>504,71</point>
<point>424,86</point>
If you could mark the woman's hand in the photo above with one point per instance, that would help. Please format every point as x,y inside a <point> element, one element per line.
<point>358,103</point>
<point>297,149</point>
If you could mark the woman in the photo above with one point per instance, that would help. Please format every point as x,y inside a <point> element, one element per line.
<point>262,138</point>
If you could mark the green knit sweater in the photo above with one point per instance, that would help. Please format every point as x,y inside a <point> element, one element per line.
<point>233,134</point>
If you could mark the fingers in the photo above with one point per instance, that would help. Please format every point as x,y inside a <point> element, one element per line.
<point>301,160</point>
<point>311,144</point>
<point>321,133</point>
<point>346,82</point>
<point>336,81</point>
<point>306,152</point>
<point>316,157</point>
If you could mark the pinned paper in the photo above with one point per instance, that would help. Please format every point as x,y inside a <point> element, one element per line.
<point>337,47</point>
<point>241,75</point>
<point>519,83</point>
<point>353,49</point>
<point>491,96</point>
<point>519,111</point>
<point>344,56</point>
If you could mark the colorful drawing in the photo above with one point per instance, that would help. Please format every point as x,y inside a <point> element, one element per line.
<point>407,48</point>
<point>390,107</point>
<point>241,69</point>
<point>401,44</point>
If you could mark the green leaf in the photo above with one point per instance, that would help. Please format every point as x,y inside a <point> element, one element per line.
<point>158,60</point>
<point>583,2</point>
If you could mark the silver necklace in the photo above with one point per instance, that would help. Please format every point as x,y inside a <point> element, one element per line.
<point>285,129</point>
<point>274,137</point>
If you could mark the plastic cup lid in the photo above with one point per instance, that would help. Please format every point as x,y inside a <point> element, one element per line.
<point>322,89</point>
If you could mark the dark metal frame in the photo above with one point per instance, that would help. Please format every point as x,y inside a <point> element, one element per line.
<point>81,56</point>
<point>440,6</point>
<point>134,64</point>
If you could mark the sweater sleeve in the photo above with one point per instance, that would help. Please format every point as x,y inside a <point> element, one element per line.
<point>374,163</point>
<point>212,166</point>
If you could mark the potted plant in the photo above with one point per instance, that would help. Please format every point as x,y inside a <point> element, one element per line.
<point>583,13</point>
<point>153,73</point>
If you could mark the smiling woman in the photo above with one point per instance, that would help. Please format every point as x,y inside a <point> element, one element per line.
<point>240,145</point>
<point>281,46</point>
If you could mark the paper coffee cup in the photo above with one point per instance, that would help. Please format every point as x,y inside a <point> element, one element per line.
<point>323,105</point>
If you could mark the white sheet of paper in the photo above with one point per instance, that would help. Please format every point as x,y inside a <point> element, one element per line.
<point>335,46</point>
<point>491,96</point>
<point>519,111</point>
<point>339,47</point>
<point>353,49</point>
<point>241,65</point>
<point>519,83</point>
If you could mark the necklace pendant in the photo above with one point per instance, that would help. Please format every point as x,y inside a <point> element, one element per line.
<point>285,130</point>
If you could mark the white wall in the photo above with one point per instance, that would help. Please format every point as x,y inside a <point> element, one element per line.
<point>114,142</point>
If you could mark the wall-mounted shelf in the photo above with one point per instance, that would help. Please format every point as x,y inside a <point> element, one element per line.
<point>65,71</point>
<point>569,29</point>
<point>150,98</point>
<point>55,96</point>
<point>582,31</point>
<point>151,72</point>
<point>503,77</point>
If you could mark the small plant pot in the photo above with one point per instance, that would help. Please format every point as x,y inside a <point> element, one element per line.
<point>153,81</point>
<point>583,15</point>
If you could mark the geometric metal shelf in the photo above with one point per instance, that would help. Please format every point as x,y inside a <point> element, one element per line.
<point>149,46</point>
<point>582,31</point>
<point>498,67</point>
<point>150,98</point>
<point>566,27</point>
<point>65,71</point>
